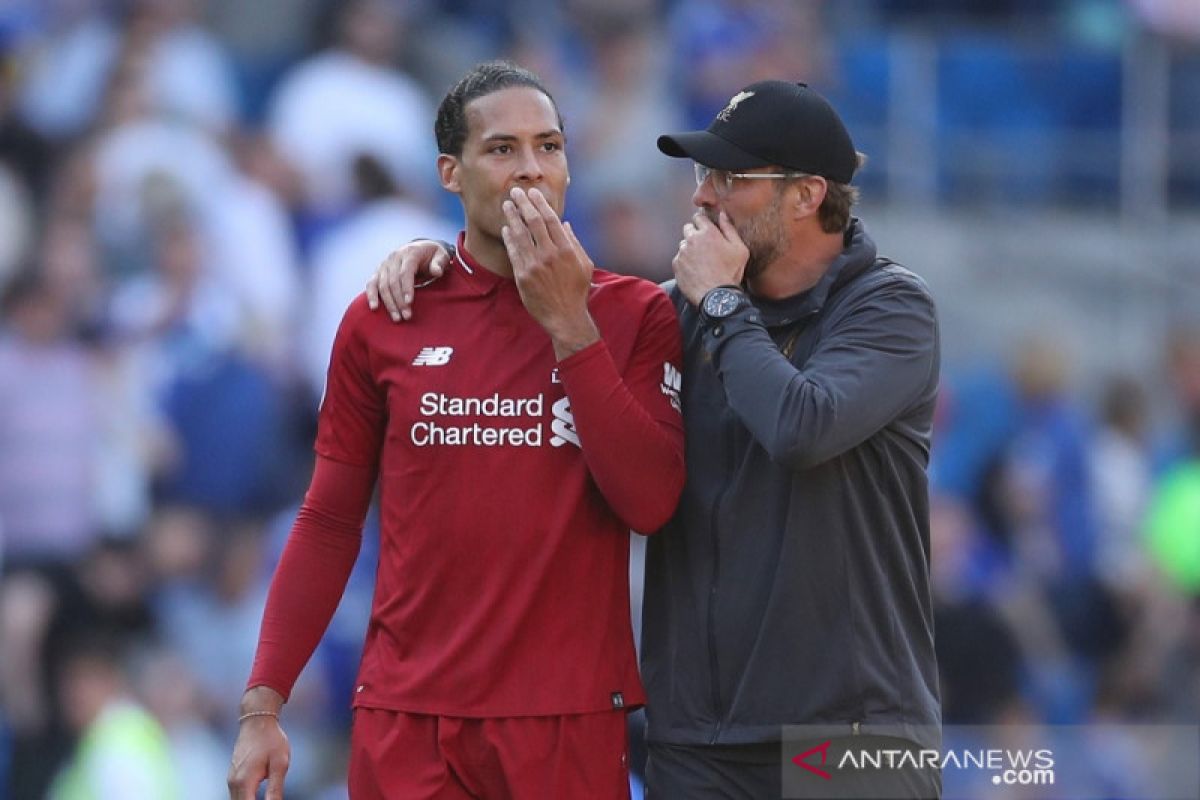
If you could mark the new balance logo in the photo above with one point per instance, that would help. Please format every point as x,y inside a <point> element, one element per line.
<point>563,426</point>
<point>433,357</point>
<point>672,383</point>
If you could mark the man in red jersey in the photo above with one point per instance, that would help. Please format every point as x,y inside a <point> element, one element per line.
<point>499,659</point>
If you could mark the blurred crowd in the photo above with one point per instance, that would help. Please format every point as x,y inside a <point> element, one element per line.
<point>191,193</point>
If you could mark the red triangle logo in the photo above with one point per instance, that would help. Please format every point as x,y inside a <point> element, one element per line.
<point>823,749</point>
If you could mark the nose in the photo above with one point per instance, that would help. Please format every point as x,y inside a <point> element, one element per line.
<point>529,168</point>
<point>705,196</point>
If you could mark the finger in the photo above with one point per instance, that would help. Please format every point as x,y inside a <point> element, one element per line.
<point>406,290</point>
<point>516,257</point>
<point>389,289</point>
<point>275,779</point>
<point>554,227</point>
<point>248,789</point>
<point>517,240</point>
<point>372,291</point>
<point>577,245</point>
<point>400,286</point>
<point>437,267</point>
<point>727,227</point>
<point>538,233</point>
<point>241,787</point>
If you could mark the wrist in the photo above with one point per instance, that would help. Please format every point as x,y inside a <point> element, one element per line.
<point>260,701</point>
<point>573,335</point>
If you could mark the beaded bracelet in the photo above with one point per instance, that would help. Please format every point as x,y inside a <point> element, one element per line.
<point>250,714</point>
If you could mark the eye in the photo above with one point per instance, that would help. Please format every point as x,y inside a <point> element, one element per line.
<point>551,147</point>
<point>501,149</point>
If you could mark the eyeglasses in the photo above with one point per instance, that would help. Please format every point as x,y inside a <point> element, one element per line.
<point>723,180</point>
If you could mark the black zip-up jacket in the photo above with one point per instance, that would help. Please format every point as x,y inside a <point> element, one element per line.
<point>791,587</point>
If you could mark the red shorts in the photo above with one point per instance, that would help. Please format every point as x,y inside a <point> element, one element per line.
<point>394,755</point>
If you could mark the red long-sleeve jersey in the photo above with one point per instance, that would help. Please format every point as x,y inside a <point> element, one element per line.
<point>509,482</point>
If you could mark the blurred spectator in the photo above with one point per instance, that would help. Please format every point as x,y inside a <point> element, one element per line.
<point>66,68</point>
<point>1046,494</point>
<point>346,256</point>
<point>264,38</point>
<point>168,686</point>
<point>1120,477</point>
<point>626,234</point>
<point>48,427</point>
<point>627,196</point>
<point>150,171</point>
<point>1181,439</point>
<point>212,583</point>
<point>721,45</point>
<point>349,100</point>
<point>253,252</point>
<point>1175,18</point>
<point>176,313</point>
<point>122,750</point>
<point>1068,620</point>
<point>131,443</point>
<point>143,166</point>
<point>189,76</point>
<point>979,659</point>
<point>43,614</point>
<point>1173,525</point>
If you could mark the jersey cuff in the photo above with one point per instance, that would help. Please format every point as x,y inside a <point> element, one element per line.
<point>574,361</point>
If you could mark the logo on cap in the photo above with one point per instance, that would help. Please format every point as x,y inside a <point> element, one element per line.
<point>733,103</point>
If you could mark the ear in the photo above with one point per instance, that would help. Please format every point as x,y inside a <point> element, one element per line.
<point>447,166</point>
<point>810,193</point>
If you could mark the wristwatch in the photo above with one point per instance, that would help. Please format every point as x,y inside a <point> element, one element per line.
<point>721,303</point>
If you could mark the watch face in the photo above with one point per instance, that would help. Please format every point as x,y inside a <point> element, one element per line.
<point>722,302</point>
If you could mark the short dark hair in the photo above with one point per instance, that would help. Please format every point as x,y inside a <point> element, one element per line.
<point>834,212</point>
<point>483,79</point>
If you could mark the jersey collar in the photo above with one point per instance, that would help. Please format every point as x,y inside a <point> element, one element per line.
<point>481,279</point>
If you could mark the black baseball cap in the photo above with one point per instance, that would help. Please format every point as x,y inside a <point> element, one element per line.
<point>772,123</point>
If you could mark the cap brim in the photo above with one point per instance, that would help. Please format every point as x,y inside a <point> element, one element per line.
<point>708,149</point>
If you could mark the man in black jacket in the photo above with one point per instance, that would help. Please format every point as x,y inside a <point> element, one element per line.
<point>787,615</point>
<point>791,587</point>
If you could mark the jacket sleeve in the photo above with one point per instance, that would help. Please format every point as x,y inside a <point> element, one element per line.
<point>876,359</point>
<point>629,426</point>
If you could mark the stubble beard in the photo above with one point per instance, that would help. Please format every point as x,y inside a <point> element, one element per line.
<point>763,236</point>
